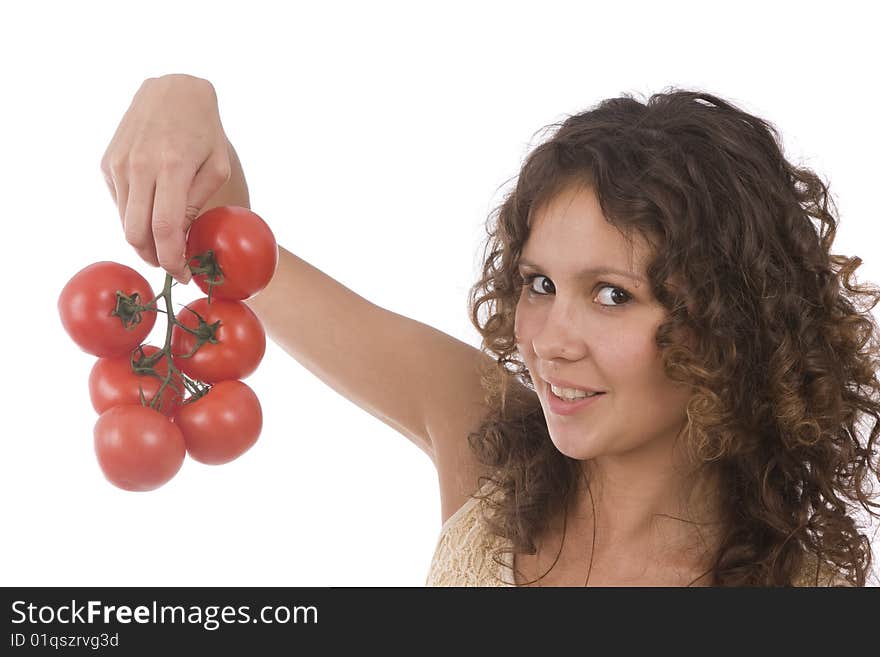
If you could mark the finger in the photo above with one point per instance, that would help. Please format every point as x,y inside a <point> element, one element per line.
<point>211,176</point>
<point>122,197</point>
<point>112,187</point>
<point>120,207</point>
<point>138,216</point>
<point>169,221</point>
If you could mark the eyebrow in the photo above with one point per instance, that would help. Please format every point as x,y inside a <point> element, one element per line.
<point>590,271</point>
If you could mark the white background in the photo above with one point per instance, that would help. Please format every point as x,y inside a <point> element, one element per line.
<point>375,138</point>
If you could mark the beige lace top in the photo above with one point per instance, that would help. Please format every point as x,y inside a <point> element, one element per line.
<point>463,555</point>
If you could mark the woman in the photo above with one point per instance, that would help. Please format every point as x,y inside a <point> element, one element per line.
<point>662,256</point>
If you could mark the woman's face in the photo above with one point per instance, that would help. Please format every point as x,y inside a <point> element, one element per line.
<point>595,330</point>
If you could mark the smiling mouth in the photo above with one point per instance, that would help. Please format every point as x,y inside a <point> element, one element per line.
<point>570,399</point>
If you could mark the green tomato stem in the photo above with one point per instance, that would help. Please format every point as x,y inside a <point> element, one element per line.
<point>145,365</point>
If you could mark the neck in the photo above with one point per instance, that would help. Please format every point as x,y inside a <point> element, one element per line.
<point>663,519</point>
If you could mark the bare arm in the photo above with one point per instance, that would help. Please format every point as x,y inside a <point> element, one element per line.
<point>420,381</point>
<point>171,145</point>
<point>364,352</point>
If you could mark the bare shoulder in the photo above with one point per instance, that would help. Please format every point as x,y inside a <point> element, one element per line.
<point>458,409</point>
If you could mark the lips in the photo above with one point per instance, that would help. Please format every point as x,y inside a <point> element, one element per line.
<point>561,383</point>
<point>587,395</point>
<point>562,407</point>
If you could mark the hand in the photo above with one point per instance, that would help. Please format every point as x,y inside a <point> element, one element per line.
<point>168,156</point>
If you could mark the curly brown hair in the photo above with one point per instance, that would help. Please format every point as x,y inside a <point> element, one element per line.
<point>784,369</point>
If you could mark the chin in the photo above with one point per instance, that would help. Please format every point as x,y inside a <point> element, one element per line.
<point>575,444</point>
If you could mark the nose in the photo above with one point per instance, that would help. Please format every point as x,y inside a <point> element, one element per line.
<point>560,336</point>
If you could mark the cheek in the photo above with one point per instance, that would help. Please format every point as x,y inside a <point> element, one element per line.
<point>525,326</point>
<point>523,333</point>
<point>631,365</point>
<point>518,324</point>
<point>627,353</point>
<point>659,397</point>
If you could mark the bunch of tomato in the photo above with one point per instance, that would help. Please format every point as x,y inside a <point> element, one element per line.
<point>157,404</point>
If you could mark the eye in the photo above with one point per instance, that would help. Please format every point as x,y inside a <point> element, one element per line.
<point>527,283</point>
<point>621,295</point>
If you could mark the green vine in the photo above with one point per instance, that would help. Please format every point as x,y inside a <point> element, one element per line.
<point>130,311</point>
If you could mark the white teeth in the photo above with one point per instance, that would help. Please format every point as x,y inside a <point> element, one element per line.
<point>570,394</point>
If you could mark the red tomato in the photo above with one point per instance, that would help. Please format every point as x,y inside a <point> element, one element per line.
<point>88,300</point>
<point>138,448</point>
<point>112,382</point>
<point>241,341</point>
<point>222,425</point>
<point>244,248</point>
